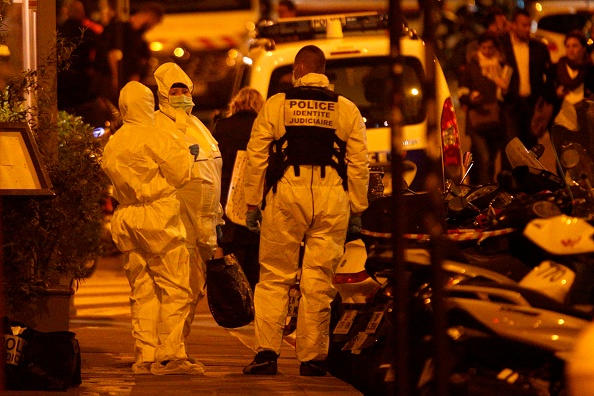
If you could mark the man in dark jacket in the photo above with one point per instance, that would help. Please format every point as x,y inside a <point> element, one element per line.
<point>123,53</point>
<point>77,84</point>
<point>530,61</point>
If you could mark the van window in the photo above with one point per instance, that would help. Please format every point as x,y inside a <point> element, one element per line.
<point>564,23</point>
<point>367,82</point>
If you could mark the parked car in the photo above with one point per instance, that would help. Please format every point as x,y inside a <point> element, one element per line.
<point>553,28</point>
<point>552,20</point>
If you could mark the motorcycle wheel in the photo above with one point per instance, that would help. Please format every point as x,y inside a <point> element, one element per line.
<point>468,379</point>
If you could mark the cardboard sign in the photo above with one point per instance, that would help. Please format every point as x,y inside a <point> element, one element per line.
<point>236,208</point>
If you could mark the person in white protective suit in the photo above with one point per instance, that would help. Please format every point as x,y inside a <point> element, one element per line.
<point>309,145</point>
<point>146,166</point>
<point>201,210</point>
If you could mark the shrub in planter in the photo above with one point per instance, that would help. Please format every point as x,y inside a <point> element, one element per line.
<point>47,241</point>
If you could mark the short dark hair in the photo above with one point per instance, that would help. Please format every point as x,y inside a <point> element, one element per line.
<point>312,58</point>
<point>492,15</point>
<point>179,85</point>
<point>289,4</point>
<point>579,36</point>
<point>151,7</point>
<point>488,36</point>
<point>521,11</point>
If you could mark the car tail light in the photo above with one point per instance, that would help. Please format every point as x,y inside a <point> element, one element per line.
<point>350,278</point>
<point>371,295</point>
<point>452,155</point>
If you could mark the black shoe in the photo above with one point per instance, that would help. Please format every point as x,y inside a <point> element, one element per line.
<point>313,368</point>
<point>264,364</point>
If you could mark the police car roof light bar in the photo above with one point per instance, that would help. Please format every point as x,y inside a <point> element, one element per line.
<point>310,27</point>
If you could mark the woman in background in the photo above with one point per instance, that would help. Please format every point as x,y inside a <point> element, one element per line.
<point>572,80</point>
<point>233,134</point>
<point>481,90</point>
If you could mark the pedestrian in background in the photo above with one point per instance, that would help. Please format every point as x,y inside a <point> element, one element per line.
<point>530,61</point>
<point>124,53</point>
<point>286,9</point>
<point>233,134</point>
<point>481,90</point>
<point>200,199</point>
<point>572,80</point>
<point>146,167</point>
<point>496,23</point>
<point>316,170</point>
<point>77,85</point>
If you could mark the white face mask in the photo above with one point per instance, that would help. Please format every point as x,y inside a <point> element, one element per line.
<point>181,101</point>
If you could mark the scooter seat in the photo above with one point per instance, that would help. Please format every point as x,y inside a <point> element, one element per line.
<point>533,297</point>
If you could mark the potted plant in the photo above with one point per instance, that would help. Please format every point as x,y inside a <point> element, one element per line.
<point>48,240</point>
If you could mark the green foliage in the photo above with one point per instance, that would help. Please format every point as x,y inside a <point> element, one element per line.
<point>53,237</point>
<point>48,238</point>
<point>39,85</point>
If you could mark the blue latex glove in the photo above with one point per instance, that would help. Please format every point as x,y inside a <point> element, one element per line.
<point>355,224</point>
<point>219,234</point>
<point>195,150</point>
<point>253,219</point>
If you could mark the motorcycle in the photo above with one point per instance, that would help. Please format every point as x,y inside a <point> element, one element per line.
<point>516,338</point>
<point>505,336</point>
<point>536,314</point>
<point>351,280</point>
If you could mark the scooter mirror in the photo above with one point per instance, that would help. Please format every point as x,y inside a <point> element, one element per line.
<point>403,184</point>
<point>467,162</point>
<point>538,150</point>
<point>570,157</point>
<point>467,159</point>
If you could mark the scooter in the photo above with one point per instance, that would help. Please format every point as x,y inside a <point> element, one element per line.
<point>505,336</point>
<point>353,283</point>
<point>516,338</point>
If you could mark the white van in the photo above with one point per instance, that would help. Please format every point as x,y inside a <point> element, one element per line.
<point>358,66</point>
<point>201,37</point>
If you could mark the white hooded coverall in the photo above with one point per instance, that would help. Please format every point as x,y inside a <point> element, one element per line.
<point>308,208</point>
<point>146,166</point>
<point>200,200</point>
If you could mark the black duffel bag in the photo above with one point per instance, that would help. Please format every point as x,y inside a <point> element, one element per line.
<point>46,360</point>
<point>230,297</point>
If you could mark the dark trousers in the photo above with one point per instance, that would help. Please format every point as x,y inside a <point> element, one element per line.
<point>517,115</point>
<point>485,146</point>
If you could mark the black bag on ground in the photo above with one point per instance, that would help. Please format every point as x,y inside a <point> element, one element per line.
<point>228,292</point>
<point>48,360</point>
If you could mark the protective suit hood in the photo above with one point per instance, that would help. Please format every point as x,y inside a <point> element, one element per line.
<point>166,75</point>
<point>312,79</point>
<point>137,103</point>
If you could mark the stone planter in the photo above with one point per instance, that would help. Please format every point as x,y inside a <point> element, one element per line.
<point>51,312</point>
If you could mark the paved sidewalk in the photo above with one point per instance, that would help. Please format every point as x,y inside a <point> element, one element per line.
<point>103,330</point>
